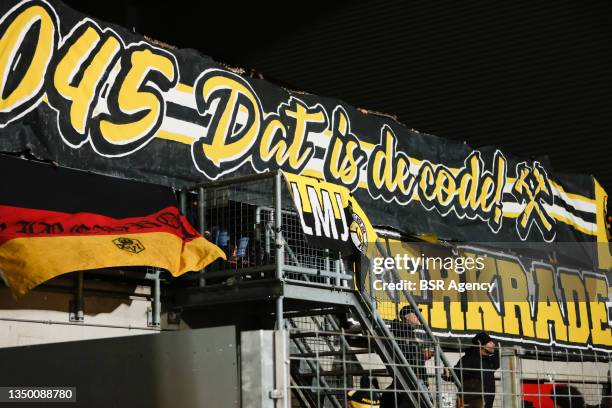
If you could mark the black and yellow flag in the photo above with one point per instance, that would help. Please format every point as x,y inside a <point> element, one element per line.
<point>331,217</point>
<point>55,220</point>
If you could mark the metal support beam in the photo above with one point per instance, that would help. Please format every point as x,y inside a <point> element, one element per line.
<point>155,310</point>
<point>183,201</point>
<point>76,305</point>
<point>439,369</point>
<point>281,369</point>
<point>278,180</point>
<point>315,294</point>
<point>510,378</point>
<point>327,265</point>
<point>370,293</point>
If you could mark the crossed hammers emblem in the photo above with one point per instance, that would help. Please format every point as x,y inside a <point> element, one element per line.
<point>533,189</point>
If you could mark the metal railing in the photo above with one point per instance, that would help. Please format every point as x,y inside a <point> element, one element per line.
<point>253,220</point>
<point>242,216</point>
<point>521,378</point>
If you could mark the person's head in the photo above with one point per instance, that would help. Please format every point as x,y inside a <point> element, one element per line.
<point>485,342</point>
<point>428,352</point>
<point>408,315</point>
<point>366,382</point>
<point>564,396</point>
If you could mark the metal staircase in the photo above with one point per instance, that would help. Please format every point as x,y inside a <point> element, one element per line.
<point>307,290</point>
<point>325,360</point>
<point>381,341</point>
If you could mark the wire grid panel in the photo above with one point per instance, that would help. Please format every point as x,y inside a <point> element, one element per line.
<point>325,365</point>
<point>553,373</point>
<point>232,221</point>
<point>338,362</point>
<point>351,367</point>
<point>299,253</point>
<point>239,218</point>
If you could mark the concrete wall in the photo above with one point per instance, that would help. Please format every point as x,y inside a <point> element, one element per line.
<point>42,316</point>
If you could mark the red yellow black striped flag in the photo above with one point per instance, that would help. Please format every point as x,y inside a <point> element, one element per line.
<point>56,220</point>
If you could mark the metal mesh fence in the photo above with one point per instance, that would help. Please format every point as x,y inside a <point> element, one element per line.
<point>240,218</point>
<point>338,367</point>
<point>333,364</point>
<point>234,222</point>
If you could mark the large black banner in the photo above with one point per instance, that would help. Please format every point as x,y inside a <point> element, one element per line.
<point>94,96</point>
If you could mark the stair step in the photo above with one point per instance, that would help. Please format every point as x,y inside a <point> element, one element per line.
<point>315,312</point>
<point>310,334</point>
<point>324,391</point>
<point>380,372</point>
<point>334,353</point>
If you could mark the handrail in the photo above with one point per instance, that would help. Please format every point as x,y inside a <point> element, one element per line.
<point>281,244</point>
<point>424,323</point>
<point>397,352</point>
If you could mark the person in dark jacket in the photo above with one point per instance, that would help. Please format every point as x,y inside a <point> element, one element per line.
<point>409,341</point>
<point>476,371</point>
<point>416,351</point>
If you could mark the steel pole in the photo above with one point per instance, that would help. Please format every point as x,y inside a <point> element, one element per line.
<point>279,245</point>
<point>508,364</point>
